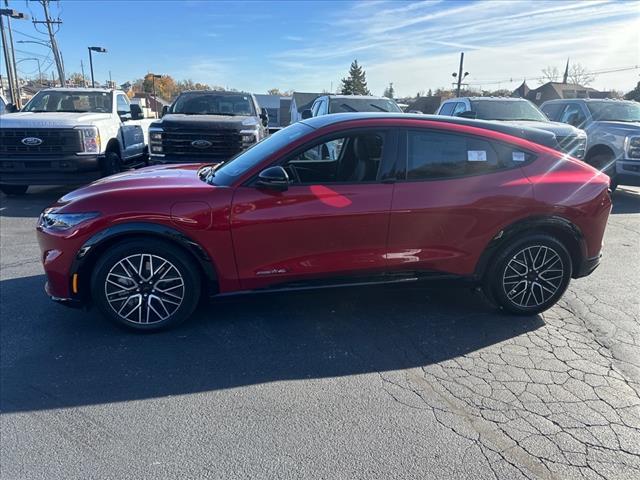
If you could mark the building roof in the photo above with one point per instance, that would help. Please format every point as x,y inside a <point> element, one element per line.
<point>304,99</point>
<point>522,90</point>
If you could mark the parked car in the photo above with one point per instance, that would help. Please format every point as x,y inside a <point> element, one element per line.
<point>207,126</point>
<point>70,136</point>
<point>520,113</point>
<point>327,104</point>
<point>460,201</point>
<point>613,134</point>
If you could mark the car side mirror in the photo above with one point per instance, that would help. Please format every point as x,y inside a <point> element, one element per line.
<point>165,109</point>
<point>264,115</point>
<point>11,108</point>
<point>306,114</point>
<point>136,112</point>
<point>467,114</point>
<point>275,178</point>
<point>124,116</point>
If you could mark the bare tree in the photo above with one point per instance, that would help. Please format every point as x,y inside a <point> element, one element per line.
<point>578,75</point>
<point>550,74</point>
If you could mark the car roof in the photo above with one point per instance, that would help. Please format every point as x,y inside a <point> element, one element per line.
<point>502,99</point>
<point>217,92</point>
<point>79,89</point>
<point>348,97</point>
<point>533,134</point>
<point>589,100</point>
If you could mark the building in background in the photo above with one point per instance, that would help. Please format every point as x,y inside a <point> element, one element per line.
<point>557,90</point>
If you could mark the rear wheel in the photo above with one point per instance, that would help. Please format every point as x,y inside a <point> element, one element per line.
<point>530,275</point>
<point>146,285</point>
<point>14,189</point>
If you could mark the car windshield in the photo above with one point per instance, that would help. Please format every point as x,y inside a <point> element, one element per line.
<point>615,111</point>
<point>341,105</point>
<point>213,104</point>
<point>507,110</point>
<point>70,101</point>
<point>237,166</point>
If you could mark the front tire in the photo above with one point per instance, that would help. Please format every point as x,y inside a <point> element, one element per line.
<point>146,285</point>
<point>529,275</point>
<point>14,189</point>
<point>606,163</point>
<point>111,164</point>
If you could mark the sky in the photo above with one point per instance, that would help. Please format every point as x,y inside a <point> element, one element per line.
<point>309,45</point>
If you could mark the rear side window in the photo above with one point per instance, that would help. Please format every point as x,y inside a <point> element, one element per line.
<point>436,155</point>
<point>447,108</point>
<point>460,107</point>
<point>552,110</point>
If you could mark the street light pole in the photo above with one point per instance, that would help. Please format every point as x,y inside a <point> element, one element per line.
<point>9,54</point>
<point>459,75</point>
<point>94,49</point>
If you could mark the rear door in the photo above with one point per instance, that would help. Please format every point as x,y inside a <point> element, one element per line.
<point>455,194</point>
<point>331,222</point>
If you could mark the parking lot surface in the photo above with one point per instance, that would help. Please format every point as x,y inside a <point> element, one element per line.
<point>351,383</point>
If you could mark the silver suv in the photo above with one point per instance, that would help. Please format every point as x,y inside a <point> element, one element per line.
<point>520,113</point>
<point>613,134</point>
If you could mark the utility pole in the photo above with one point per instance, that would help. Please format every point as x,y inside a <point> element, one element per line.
<point>9,53</point>
<point>52,39</point>
<point>459,75</point>
<point>84,81</point>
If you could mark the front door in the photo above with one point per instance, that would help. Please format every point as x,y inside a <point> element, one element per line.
<point>132,135</point>
<point>332,221</point>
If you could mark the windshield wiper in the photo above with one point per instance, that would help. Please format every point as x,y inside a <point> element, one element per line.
<point>348,107</point>
<point>71,111</point>
<point>378,107</point>
<point>205,113</point>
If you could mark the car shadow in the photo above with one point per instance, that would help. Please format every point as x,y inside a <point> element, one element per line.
<point>626,201</point>
<point>32,203</point>
<point>54,357</point>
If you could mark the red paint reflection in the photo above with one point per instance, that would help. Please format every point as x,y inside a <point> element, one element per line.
<point>330,197</point>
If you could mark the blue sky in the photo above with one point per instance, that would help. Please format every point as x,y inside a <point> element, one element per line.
<point>308,46</point>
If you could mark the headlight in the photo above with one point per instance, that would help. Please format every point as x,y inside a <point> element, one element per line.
<point>249,137</point>
<point>155,141</point>
<point>633,147</point>
<point>63,221</point>
<point>90,139</point>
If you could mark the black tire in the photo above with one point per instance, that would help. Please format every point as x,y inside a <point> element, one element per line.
<point>140,305</point>
<point>534,287</point>
<point>606,163</point>
<point>14,189</point>
<point>111,164</point>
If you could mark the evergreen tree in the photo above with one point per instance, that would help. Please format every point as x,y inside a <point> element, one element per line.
<point>356,82</point>
<point>389,91</point>
<point>429,93</point>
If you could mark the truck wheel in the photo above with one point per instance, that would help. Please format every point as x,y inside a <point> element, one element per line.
<point>606,163</point>
<point>112,164</point>
<point>14,189</point>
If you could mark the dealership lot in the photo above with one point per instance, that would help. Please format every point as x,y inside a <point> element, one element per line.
<point>354,383</point>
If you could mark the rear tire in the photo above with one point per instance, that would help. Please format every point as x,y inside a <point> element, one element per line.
<point>529,275</point>
<point>146,285</point>
<point>14,189</point>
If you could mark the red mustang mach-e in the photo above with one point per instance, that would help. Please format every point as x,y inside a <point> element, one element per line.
<point>334,200</point>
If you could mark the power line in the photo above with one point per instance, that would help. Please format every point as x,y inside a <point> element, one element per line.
<point>52,39</point>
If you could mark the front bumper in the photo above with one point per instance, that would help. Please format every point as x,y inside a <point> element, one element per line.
<point>587,266</point>
<point>628,172</point>
<point>50,170</point>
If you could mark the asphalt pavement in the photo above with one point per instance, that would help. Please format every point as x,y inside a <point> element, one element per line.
<point>366,383</point>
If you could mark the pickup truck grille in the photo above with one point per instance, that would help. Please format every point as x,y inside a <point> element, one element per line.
<point>224,144</point>
<point>573,145</point>
<point>54,141</point>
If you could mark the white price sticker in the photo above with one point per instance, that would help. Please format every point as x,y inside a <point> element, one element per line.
<point>518,156</point>
<point>476,155</point>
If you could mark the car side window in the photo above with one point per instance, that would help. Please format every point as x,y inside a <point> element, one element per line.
<point>123,104</point>
<point>447,108</point>
<point>314,108</point>
<point>552,110</point>
<point>459,107</point>
<point>573,115</point>
<point>438,155</point>
<point>352,158</point>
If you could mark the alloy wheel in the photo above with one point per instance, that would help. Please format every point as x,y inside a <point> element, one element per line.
<point>532,276</point>
<point>144,288</point>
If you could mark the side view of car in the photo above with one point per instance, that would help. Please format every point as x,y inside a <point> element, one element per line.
<point>327,104</point>
<point>207,126</point>
<point>518,112</point>
<point>407,198</point>
<point>70,136</point>
<point>613,131</point>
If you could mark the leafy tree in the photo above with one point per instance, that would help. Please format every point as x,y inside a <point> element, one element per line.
<point>389,91</point>
<point>356,82</point>
<point>633,94</point>
<point>77,79</point>
<point>274,91</point>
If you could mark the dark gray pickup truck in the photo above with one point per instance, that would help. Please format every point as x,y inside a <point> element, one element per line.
<point>207,126</point>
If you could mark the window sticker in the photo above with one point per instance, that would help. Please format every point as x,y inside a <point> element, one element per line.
<point>518,156</point>
<point>476,156</point>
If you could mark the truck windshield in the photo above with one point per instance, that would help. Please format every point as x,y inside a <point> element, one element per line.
<point>341,105</point>
<point>213,104</point>
<point>615,111</point>
<point>70,101</point>
<point>507,110</point>
<point>237,166</point>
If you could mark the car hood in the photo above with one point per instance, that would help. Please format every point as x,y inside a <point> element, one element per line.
<point>560,129</point>
<point>51,119</point>
<point>631,127</point>
<point>221,122</point>
<point>150,178</point>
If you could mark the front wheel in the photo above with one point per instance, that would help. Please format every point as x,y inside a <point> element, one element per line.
<point>606,163</point>
<point>14,189</point>
<point>530,275</point>
<point>111,164</point>
<point>146,285</point>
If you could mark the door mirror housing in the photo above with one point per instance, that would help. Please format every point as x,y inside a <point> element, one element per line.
<point>136,112</point>
<point>11,108</point>
<point>264,115</point>
<point>165,109</point>
<point>274,177</point>
<point>125,116</point>
<point>467,114</point>
<point>306,114</point>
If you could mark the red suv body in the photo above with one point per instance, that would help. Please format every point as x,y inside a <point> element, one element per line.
<point>334,200</point>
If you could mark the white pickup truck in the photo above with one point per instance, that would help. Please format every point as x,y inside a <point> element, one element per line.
<point>70,136</point>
